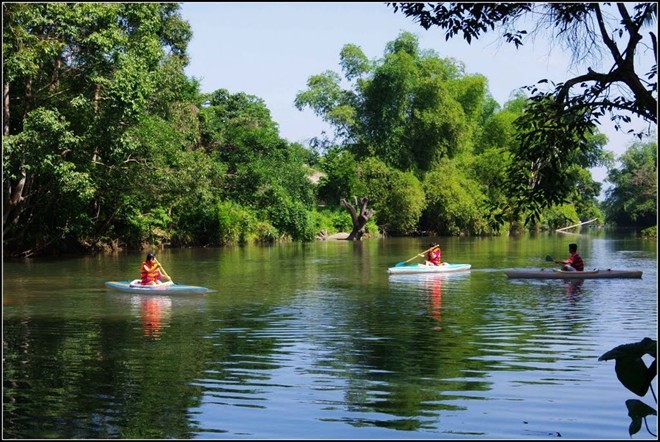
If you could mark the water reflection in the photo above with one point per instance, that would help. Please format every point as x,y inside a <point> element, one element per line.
<point>435,294</point>
<point>155,312</point>
<point>301,341</point>
<point>574,289</point>
<point>429,288</point>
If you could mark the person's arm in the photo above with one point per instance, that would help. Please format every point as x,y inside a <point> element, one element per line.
<point>162,271</point>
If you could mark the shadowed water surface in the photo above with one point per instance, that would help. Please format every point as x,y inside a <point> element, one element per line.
<point>318,341</point>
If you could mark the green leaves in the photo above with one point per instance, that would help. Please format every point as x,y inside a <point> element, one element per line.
<point>556,129</point>
<point>632,201</point>
<point>82,82</point>
<point>646,346</point>
<point>550,141</point>
<point>408,109</point>
<point>453,200</point>
<point>353,62</point>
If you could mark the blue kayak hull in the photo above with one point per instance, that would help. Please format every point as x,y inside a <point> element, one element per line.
<point>126,286</point>
<point>421,268</point>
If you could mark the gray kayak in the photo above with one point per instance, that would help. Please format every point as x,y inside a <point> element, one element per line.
<point>563,274</point>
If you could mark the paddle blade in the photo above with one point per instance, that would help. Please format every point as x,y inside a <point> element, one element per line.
<point>549,258</point>
<point>399,264</point>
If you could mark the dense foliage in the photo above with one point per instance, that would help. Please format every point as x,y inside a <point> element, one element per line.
<point>107,144</point>
<point>419,114</point>
<point>90,106</point>
<point>633,199</point>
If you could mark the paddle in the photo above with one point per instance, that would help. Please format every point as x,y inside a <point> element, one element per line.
<point>549,258</point>
<point>163,270</point>
<point>402,263</point>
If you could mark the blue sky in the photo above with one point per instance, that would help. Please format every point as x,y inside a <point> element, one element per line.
<point>270,49</point>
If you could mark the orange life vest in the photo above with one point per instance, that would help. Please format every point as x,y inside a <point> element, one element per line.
<point>435,256</point>
<point>152,274</point>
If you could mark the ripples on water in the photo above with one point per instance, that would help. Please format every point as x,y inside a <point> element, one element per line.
<point>419,356</point>
<point>334,351</point>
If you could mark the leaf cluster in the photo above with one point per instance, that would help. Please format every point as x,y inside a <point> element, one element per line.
<point>632,372</point>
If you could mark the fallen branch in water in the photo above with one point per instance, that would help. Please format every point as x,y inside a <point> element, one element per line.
<point>575,225</point>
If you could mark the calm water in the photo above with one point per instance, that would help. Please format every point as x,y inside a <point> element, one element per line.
<point>318,341</point>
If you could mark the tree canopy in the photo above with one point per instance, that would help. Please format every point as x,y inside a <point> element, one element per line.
<point>108,144</point>
<point>412,111</point>
<point>409,108</point>
<point>78,80</point>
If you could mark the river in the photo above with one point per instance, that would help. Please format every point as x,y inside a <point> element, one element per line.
<point>317,341</point>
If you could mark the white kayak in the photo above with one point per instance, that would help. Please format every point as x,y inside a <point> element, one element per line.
<point>136,286</point>
<point>563,274</point>
<point>423,268</point>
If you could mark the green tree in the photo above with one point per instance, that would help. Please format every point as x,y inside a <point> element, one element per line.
<point>401,115</point>
<point>587,30</point>
<point>77,79</point>
<point>397,197</point>
<point>264,173</point>
<point>175,180</point>
<point>408,109</point>
<point>495,152</point>
<point>340,176</point>
<point>454,200</point>
<point>632,201</point>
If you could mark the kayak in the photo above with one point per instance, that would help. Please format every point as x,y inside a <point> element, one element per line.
<point>422,268</point>
<point>135,286</point>
<point>563,274</point>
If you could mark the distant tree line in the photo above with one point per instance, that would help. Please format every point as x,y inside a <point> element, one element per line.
<point>108,145</point>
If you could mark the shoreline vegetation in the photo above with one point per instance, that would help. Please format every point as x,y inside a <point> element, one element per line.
<point>109,146</point>
<point>649,233</point>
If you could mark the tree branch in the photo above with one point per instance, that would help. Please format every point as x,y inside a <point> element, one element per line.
<point>350,208</point>
<point>590,76</point>
<point>605,35</point>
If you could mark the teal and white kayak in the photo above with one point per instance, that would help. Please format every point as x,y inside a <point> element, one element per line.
<point>563,274</point>
<point>422,268</point>
<point>168,287</point>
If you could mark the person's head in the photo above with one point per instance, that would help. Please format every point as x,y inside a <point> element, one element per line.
<point>572,248</point>
<point>150,257</point>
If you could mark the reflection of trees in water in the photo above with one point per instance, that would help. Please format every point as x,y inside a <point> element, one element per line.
<point>413,350</point>
<point>246,347</point>
<point>99,378</point>
<point>389,356</point>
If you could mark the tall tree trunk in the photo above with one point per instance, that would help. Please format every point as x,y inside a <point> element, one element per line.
<point>55,77</point>
<point>95,102</point>
<point>5,109</point>
<point>12,197</point>
<point>359,219</point>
